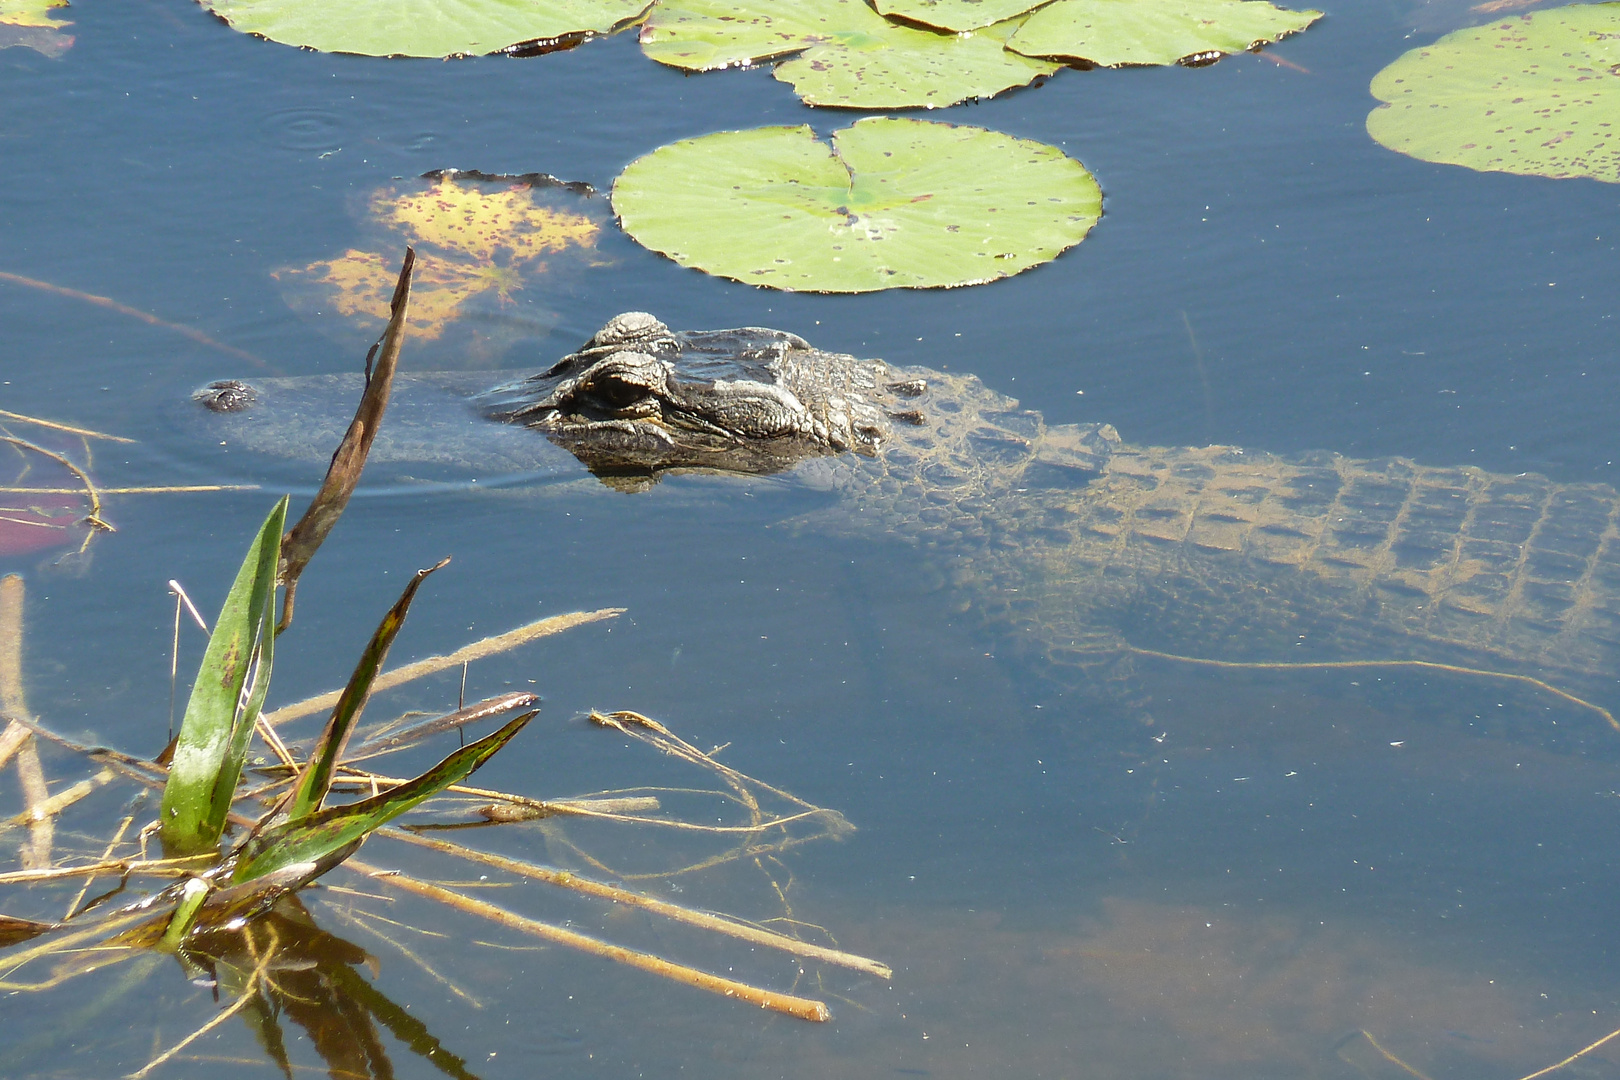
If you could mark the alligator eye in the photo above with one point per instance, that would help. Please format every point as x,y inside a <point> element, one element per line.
<point>619,394</point>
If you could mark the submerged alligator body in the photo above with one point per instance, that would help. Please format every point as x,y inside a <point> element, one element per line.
<point>1070,542</point>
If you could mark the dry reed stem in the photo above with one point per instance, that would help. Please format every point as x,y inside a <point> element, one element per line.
<point>11,633</point>
<point>675,912</point>
<point>134,313</point>
<point>478,650</point>
<point>1577,1054</point>
<point>1422,665</point>
<point>30,773</point>
<point>54,426</point>
<point>52,805</point>
<point>175,489</point>
<point>1385,1054</point>
<point>803,1008</point>
<point>90,490</point>
<point>130,867</point>
<point>112,845</point>
<point>41,829</point>
<point>11,740</point>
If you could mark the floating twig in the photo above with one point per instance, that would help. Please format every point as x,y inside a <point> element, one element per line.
<point>173,489</point>
<point>54,426</point>
<point>490,646</point>
<point>675,912</point>
<point>803,1008</point>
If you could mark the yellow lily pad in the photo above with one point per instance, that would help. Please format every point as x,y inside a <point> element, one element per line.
<point>480,242</point>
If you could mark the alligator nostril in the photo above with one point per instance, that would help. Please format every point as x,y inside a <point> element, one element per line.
<point>227,395</point>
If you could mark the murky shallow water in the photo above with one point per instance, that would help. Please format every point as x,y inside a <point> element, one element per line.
<point>1302,857</point>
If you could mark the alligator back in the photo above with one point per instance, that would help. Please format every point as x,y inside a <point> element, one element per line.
<point>1074,544</point>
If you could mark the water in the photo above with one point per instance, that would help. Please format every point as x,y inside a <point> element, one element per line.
<point>1302,857</point>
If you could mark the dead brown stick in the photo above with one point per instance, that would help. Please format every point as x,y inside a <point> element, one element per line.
<point>803,1008</point>
<point>304,538</point>
<point>134,313</point>
<point>489,646</point>
<point>702,919</point>
<point>133,867</point>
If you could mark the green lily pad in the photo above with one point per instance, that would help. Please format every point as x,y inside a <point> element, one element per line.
<point>1537,94</point>
<point>1113,33</point>
<point>848,55</point>
<point>956,14</point>
<point>892,203</point>
<point>423,27</point>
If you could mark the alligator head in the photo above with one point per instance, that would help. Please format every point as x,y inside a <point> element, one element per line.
<point>639,399</point>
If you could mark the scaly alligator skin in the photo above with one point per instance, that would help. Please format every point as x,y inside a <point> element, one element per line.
<point>1070,542</point>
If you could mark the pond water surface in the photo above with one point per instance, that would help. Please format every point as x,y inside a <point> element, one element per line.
<point>1282,862</point>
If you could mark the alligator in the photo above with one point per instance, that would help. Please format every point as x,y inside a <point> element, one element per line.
<point>1069,542</point>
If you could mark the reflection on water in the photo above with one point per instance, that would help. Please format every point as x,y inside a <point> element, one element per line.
<point>1285,872</point>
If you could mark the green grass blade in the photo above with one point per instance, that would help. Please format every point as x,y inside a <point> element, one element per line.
<point>328,836</point>
<point>225,701</point>
<point>316,778</point>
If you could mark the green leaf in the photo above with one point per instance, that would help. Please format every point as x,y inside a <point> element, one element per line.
<point>225,701</point>
<point>1113,33</point>
<point>956,14</point>
<point>890,204</point>
<point>316,779</point>
<point>327,837</point>
<point>1534,94</point>
<point>849,56</point>
<point>422,27</point>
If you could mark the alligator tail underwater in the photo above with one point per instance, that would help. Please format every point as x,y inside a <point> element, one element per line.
<point>1069,542</point>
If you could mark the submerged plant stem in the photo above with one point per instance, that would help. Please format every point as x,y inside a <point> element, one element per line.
<point>134,313</point>
<point>1421,665</point>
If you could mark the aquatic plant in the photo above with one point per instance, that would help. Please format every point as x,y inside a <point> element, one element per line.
<point>1532,94</point>
<point>889,203</point>
<point>238,858</point>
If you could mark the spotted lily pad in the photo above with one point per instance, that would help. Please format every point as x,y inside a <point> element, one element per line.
<point>891,203</point>
<point>956,14</point>
<point>847,54</point>
<point>479,240</point>
<point>32,24</point>
<point>1536,94</point>
<point>1114,33</point>
<point>423,27</point>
